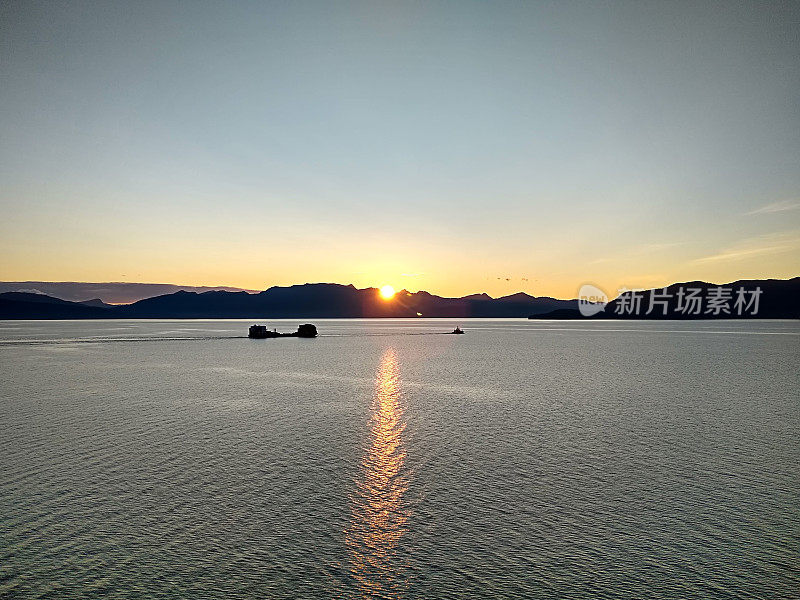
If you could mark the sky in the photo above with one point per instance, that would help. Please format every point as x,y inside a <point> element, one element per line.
<point>455,147</point>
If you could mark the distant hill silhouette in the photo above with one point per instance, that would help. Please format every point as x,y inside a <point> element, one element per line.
<point>314,300</point>
<point>111,292</point>
<point>96,302</point>
<point>21,305</point>
<point>779,299</point>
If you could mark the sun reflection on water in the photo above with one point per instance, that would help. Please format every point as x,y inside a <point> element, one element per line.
<point>378,511</point>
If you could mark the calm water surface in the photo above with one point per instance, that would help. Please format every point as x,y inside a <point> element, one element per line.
<point>176,459</point>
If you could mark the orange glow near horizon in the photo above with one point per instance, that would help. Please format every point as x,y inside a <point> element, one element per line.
<point>387,292</point>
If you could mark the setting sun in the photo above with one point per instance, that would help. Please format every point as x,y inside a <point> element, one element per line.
<point>387,292</point>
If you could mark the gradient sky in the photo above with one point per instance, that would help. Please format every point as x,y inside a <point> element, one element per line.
<point>456,147</point>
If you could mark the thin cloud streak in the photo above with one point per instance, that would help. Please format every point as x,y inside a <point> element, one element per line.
<point>772,244</point>
<point>775,207</point>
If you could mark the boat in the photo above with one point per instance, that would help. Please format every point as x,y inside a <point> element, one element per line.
<point>260,332</point>
<point>458,330</point>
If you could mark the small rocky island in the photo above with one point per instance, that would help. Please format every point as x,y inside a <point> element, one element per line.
<point>260,332</point>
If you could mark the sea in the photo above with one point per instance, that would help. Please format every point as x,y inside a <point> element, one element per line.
<point>391,459</point>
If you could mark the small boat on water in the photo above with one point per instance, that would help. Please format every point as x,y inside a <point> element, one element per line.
<point>260,332</point>
<point>458,330</point>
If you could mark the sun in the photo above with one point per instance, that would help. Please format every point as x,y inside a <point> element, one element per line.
<point>387,292</point>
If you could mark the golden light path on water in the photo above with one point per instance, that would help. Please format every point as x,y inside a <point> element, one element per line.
<point>378,512</point>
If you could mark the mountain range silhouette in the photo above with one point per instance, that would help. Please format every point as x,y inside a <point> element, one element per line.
<point>311,300</point>
<point>329,300</point>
